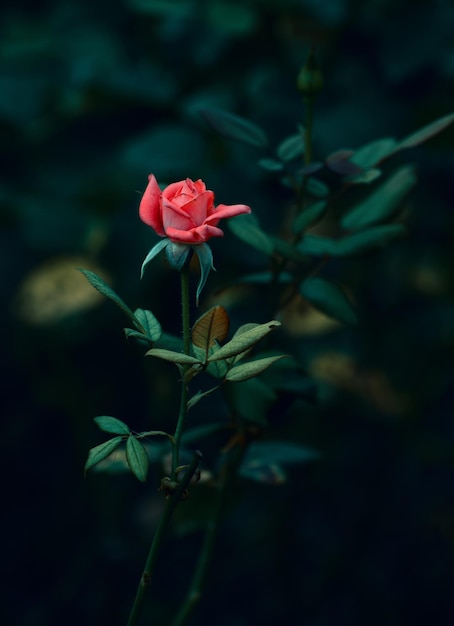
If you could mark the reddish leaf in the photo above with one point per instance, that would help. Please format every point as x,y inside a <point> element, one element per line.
<point>211,327</point>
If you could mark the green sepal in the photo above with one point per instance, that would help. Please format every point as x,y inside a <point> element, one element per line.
<point>205,257</point>
<point>155,250</point>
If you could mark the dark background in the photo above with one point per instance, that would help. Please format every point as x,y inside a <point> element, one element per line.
<point>93,97</point>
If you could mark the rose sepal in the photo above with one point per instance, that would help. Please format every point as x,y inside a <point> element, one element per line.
<point>155,250</point>
<point>205,257</point>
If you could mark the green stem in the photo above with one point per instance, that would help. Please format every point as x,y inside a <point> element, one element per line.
<point>282,263</point>
<point>171,504</point>
<point>195,591</point>
<point>309,103</point>
<point>184,274</point>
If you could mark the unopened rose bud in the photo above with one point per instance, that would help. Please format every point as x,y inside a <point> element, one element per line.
<point>310,80</point>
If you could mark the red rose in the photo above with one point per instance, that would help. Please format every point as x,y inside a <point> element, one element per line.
<point>185,212</point>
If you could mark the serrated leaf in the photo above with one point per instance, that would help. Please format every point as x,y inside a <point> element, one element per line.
<point>426,132</point>
<point>252,368</point>
<point>137,458</point>
<point>112,425</point>
<point>173,357</point>
<point>316,188</point>
<point>328,298</point>
<point>382,203</point>
<point>99,453</point>
<point>101,286</point>
<point>309,216</point>
<point>211,327</point>
<point>291,147</point>
<point>234,127</point>
<point>374,152</point>
<point>149,323</point>
<point>244,341</point>
<point>247,228</point>
<point>271,165</point>
<point>279,452</point>
<point>366,240</point>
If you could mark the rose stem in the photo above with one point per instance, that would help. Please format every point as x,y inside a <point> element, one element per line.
<point>184,274</point>
<point>172,501</point>
<point>195,591</point>
<point>280,265</point>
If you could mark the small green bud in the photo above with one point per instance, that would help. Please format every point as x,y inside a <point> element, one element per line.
<point>310,79</point>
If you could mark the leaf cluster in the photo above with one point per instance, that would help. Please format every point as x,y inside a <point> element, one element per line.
<point>364,226</point>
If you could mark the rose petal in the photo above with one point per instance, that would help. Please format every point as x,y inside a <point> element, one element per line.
<point>199,186</point>
<point>175,217</point>
<point>174,189</point>
<point>181,199</point>
<point>149,208</point>
<point>199,207</point>
<point>223,211</point>
<point>195,235</point>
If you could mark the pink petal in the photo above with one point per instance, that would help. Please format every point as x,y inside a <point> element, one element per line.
<point>149,208</point>
<point>195,235</point>
<point>199,207</point>
<point>199,186</point>
<point>174,216</point>
<point>223,211</point>
<point>174,189</point>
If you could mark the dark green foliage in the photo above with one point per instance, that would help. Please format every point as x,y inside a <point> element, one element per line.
<point>94,97</point>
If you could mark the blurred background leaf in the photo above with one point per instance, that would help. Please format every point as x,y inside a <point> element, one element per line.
<point>94,97</point>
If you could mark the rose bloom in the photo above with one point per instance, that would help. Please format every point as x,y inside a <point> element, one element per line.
<point>185,212</point>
